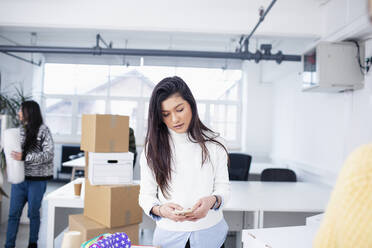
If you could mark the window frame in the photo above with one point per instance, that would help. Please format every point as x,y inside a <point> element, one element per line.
<point>74,137</point>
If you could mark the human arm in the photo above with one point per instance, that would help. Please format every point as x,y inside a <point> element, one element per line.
<point>148,199</point>
<point>16,155</point>
<point>221,187</point>
<point>167,210</point>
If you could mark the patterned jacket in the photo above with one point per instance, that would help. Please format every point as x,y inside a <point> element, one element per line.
<point>39,159</point>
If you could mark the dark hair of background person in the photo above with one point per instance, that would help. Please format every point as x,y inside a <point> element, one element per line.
<point>32,121</point>
<point>157,146</point>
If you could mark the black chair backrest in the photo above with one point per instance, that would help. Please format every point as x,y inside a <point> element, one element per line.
<point>239,166</point>
<point>278,175</point>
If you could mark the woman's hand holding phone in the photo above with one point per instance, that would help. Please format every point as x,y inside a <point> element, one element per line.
<point>169,210</point>
<point>201,208</point>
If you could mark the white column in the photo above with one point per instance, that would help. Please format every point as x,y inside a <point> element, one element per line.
<point>257,108</point>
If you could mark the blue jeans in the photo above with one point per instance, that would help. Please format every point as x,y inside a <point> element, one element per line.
<point>31,192</point>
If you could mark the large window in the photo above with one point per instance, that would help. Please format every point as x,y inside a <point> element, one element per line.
<point>72,90</point>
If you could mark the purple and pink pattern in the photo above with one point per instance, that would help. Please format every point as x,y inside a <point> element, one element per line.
<point>116,240</point>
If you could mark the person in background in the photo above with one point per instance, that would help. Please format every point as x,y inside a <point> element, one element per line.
<point>184,166</point>
<point>132,145</point>
<point>347,221</point>
<point>37,154</point>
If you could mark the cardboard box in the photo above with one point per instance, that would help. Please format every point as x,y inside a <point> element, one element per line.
<point>110,168</point>
<point>105,133</point>
<point>90,229</point>
<point>112,205</point>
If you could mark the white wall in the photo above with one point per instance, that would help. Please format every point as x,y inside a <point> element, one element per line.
<point>316,131</point>
<point>15,73</point>
<point>257,113</point>
<point>343,19</point>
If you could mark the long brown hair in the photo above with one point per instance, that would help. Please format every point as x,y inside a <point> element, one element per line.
<point>157,145</point>
<point>32,120</point>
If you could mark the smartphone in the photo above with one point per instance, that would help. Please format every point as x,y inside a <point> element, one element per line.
<point>183,211</point>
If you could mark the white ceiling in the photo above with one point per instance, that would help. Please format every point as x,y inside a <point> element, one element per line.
<point>163,24</point>
<point>290,26</point>
<point>287,18</point>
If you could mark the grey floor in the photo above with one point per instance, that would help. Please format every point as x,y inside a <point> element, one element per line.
<point>23,231</point>
<point>22,237</point>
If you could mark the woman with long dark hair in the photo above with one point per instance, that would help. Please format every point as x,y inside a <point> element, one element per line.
<point>37,154</point>
<point>184,174</point>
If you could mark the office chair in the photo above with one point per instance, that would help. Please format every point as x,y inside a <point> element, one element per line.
<point>239,166</point>
<point>278,175</point>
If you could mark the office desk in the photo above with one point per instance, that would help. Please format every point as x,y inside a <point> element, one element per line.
<point>281,237</point>
<point>62,197</point>
<point>278,196</point>
<point>256,197</point>
<point>261,197</point>
<point>76,164</point>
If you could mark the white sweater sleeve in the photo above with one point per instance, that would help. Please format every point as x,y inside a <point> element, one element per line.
<point>148,187</point>
<point>221,180</point>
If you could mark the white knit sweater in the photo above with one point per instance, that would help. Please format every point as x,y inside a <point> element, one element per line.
<point>190,181</point>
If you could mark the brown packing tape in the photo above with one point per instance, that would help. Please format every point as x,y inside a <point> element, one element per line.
<point>113,125</point>
<point>112,145</point>
<point>113,121</point>
<point>127,216</point>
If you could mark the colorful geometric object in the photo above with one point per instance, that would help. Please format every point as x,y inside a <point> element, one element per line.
<point>107,240</point>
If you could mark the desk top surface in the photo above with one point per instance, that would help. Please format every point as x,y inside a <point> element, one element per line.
<point>278,196</point>
<point>245,196</point>
<point>78,162</point>
<point>281,237</point>
<point>66,192</point>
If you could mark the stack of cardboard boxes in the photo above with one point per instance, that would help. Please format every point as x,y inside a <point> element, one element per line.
<point>107,208</point>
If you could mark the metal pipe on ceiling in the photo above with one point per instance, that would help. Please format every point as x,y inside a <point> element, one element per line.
<point>262,17</point>
<point>279,57</point>
<point>244,40</point>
